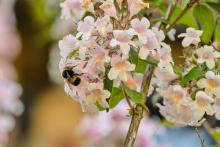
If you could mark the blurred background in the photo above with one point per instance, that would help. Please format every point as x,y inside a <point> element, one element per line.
<point>50,118</point>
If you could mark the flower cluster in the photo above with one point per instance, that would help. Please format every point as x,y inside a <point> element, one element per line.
<point>112,44</point>
<point>97,130</point>
<point>197,92</point>
<point>10,90</point>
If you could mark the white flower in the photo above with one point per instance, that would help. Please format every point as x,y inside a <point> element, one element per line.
<point>67,45</point>
<point>86,28</point>
<point>159,34</point>
<point>179,114</point>
<point>191,36</point>
<point>174,94</point>
<point>165,58</point>
<point>140,28</point>
<point>151,44</point>
<point>123,39</point>
<point>100,57</point>
<point>163,77</point>
<point>120,70</point>
<point>135,6</point>
<point>75,8</point>
<point>207,54</point>
<point>109,8</point>
<point>203,104</point>
<point>180,109</point>
<point>211,83</point>
<point>104,25</point>
<point>96,93</point>
<point>171,34</point>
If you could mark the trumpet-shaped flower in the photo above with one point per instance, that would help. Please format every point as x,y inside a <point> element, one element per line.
<point>135,6</point>
<point>207,54</point>
<point>211,83</point>
<point>203,103</point>
<point>159,34</point>
<point>165,58</point>
<point>191,36</point>
<point>104,25</point>
<point>86,28</point>
<point>120,70</point>
<point>163,77</point>
<point>109,8</point>
<point>75,8</point>
<point>123,39</point>
<point>139,28</point>
<point>174,94</point>
<point>147,48</point>
<point>180,115</point>
<point>95,93</point>
<point>100,57</point>
<point>67,45</point>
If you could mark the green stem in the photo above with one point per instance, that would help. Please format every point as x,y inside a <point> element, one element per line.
<point>189,6</point>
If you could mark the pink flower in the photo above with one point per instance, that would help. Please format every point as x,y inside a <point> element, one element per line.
<point>104,25</point>
<point>203,104</point>
<point>140,28</point>
<point>135,6</point>
<point>165,58</point>
<point>67,45</point>
<point>163,77</point>
<point>96,93</point>
<point>75,8</point>
<point>208,55</point>
<point>100,57</point>
<point>109,8</point>
<point>123,39</point>
<point>151,44</point>
<point>85,28</point>
<point>174,94</point>
<point>159,34</point>
<point>120,70</point>
<point>191,36</point>
<point>211,83</point>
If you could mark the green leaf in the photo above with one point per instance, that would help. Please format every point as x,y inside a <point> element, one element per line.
<point>140,64</point>
<point>133,56</point>
<point>177,70</point>
<point>108,84</point>
<point>184,3</point>
<point>214,6</point>
<point>100,107</point>
<point>151,61</point>
<point>206,20</point>
<point>135,96</point>
<point>193,74</point>
<point>187,19</point>
<point>217,32</point>
<point>116,96</point>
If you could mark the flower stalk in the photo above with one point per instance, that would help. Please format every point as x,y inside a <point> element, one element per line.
<point>138,111</point>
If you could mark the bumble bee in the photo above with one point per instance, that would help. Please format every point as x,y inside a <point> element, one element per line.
<point>69,75</point>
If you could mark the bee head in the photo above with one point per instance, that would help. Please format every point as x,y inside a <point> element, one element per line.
<point>67,73</point>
